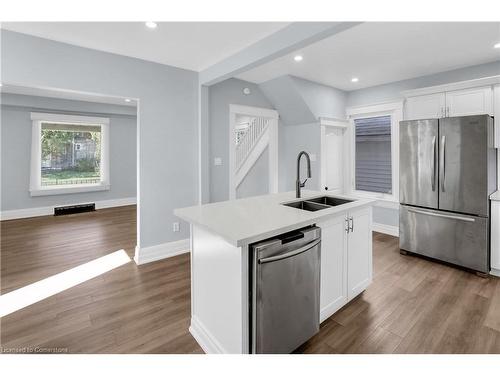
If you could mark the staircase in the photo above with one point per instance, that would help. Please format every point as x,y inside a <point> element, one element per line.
<point>253,131</point>
<point>249,146</point>
<point>246,143</point>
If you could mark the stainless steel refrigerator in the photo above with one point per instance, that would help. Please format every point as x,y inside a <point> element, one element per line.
<point>447,170</point>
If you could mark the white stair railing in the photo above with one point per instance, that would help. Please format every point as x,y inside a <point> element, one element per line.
<point>247,142</point>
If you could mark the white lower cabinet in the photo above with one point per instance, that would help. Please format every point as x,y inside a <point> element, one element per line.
<point>495,238</point>
<point>359,252</point>
<point>333,285</point>
<point>346,259</point>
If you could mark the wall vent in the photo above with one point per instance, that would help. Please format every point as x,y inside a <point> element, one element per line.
<point>74,209</point>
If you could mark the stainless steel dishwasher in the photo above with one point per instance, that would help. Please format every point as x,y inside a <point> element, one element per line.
<point>285,291</point>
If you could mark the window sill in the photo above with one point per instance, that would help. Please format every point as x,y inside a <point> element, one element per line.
<point>68,190</point>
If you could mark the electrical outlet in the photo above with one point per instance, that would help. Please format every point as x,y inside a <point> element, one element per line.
<point>175,227</point>
<point>312,157</point>
<point>217,161</point>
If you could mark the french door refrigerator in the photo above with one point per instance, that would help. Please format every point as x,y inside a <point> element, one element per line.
<point>448,169</point>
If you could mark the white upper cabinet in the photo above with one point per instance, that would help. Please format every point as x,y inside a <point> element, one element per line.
<point>475,101</point>
<point>425,106</point>
<point>453,103</point>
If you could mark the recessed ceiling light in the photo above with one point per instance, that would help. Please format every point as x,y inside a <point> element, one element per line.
<point>151,25</point>
<point>355,79</point>
<point>497,45</point>
<point>128,100</point>
<point>298,58</point>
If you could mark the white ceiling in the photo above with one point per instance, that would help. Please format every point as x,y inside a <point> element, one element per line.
<point>188,45</point>
<point>379,53</point>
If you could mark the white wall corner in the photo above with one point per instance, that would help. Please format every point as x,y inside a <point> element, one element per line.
<point>386,229</point>
<point>165,250</point>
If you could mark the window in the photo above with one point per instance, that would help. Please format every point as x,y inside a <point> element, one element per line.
<point>373,171</point>
<point>374,145</point>
<point>69,154</point>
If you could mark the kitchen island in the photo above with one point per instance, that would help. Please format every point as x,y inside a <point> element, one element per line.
<point>221,238</point>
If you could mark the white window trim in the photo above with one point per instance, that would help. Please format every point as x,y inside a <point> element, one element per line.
<point>36,189</point>
<point>395,110</point>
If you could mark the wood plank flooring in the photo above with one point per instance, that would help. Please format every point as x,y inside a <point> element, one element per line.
<point>413,305</point>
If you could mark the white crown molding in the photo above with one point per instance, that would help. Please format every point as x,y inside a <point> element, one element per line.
<point>165,250</point>
<point>49,210</point>
<point>486,81</point>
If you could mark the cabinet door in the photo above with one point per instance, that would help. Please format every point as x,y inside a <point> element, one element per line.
<point>496,113</point>
<point>359,252</point>
<point>333,292</point>
<point>425,107</point>
<point>476,101</point>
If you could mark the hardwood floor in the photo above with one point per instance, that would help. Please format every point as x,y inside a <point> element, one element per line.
<point>413,305</point>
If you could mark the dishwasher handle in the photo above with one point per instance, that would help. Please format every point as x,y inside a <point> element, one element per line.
<point>302,249</point>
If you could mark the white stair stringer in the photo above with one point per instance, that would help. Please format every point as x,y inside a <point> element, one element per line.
<point>252,157</point>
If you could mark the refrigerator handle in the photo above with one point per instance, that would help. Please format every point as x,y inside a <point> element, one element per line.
<point>433,178</point>
<point>442,162</point>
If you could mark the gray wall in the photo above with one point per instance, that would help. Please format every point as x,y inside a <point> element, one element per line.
<point>16,128</point>
<point>323,101</point>
<point>391,91</point>
<point>168,117</point>
<point>221,96</point>
<point>294,139</point>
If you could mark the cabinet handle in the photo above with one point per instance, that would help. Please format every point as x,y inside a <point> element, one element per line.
<point>351,224</point>
<point>447,111</point>
<point>442,112</point>
<point>347,228</point>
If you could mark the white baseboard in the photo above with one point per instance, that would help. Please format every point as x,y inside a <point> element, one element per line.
<point>386,229</point>
<point>207,342</point>
<point>495,272</point>
<point>161,251</point>
<point>49,210</point>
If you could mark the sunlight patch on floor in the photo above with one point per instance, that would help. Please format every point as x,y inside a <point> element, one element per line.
<point>52,285</point>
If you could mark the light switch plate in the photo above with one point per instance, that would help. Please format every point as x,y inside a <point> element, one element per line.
<point>217,161</point>
<point>175,226</point>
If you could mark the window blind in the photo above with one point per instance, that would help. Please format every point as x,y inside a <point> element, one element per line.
<point>373,154</point>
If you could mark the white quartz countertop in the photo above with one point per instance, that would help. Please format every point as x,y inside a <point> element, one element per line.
<point>495,196</point>
<point>243,221</point>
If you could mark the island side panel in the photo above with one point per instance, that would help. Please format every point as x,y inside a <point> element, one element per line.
<point>219,293</point>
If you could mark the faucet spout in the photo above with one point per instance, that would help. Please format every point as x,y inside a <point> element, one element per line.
<point>298,183</point>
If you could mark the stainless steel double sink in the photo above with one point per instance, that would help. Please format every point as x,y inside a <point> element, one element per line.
<point>316,204</point>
